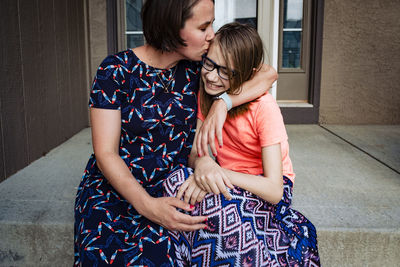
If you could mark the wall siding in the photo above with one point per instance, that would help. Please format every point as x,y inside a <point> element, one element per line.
<point>44,95</point>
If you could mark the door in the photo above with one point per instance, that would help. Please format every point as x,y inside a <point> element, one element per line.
<point>294,48</point>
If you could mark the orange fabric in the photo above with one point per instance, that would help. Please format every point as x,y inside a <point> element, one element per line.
<point>244,136</point>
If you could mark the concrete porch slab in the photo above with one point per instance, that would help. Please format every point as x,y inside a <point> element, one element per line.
<point>380,141</point>
<point>349,196</point>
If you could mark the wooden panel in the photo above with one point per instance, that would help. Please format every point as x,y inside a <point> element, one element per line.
<point>82,94</point>
<point>13,128</point>
<point>52,130</point>
<point>73,44</point>
<point>62,65</point>
<point>35,98</point>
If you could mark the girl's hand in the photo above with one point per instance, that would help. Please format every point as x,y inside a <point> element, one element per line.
<point>191,191</point>
<point>210,177</point>
<point>163,211</point>
<point>211,127</point>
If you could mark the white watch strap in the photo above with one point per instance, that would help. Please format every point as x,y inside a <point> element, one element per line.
<point>224,96</point>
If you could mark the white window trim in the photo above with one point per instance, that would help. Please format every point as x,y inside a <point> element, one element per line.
<point>268,28</point>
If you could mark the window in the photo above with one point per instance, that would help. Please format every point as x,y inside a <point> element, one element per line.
<point>130,24</point>
<point>133,32</point>
<point>293,35</point>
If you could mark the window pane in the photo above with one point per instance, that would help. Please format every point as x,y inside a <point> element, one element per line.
<point>133,20</point>
<point>134,40</point>
<point>291,51</point>
<point>293,14</point>
<point>235,10</point>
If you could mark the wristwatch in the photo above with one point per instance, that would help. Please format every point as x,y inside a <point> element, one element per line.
<point>224,96</point>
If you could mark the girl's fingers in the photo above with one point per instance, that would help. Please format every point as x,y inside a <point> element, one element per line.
<point>182,190</point>
<point>188,193</point>
<point>195,195</point>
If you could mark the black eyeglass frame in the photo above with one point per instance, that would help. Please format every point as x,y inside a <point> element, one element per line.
<point>215,66</point>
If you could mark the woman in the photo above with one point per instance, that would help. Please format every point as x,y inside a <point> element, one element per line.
<point>251,223</point>
<point>143,116</point>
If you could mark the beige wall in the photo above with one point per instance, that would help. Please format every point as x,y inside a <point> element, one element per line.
<point>360,80</point>
<point>97,34</point>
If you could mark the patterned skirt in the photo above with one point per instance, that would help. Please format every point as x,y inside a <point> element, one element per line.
<point>245,231</point>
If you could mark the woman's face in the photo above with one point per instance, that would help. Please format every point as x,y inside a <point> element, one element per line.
<point>197,32</point>
<point>213,83</point>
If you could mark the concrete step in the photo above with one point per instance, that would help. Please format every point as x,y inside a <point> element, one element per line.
<point>350,196</point>
<point>37,205</point>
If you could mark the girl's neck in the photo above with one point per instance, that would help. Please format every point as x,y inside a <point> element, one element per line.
<point>157,58</point>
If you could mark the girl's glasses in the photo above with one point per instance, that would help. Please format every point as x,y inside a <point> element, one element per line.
<point>210,65</point>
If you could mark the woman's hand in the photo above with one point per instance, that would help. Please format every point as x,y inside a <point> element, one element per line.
<point>163,211</point>
<point>191,192</point>
<point>211,127</point>
<point>210,177</point>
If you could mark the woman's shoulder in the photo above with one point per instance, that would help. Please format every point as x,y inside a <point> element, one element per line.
<point>122,58</point>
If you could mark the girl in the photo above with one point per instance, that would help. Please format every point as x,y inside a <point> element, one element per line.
<point>143,116</point>
<point>251,223</point>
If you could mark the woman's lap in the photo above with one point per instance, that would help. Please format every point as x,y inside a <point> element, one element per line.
<point>108,230</point>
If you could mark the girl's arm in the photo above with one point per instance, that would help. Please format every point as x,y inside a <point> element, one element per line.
<point>106,131</point>
<point>270,186</point>
<point>212,125</point>
<point>208,175</point>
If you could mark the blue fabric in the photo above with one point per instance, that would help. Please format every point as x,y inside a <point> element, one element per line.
<point>157,133</point>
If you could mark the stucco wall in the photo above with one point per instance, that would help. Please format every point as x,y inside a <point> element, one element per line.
<point>97,33</point>
<point>360,80</point>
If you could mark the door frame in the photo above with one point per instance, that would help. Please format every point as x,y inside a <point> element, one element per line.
<point>309,113</point>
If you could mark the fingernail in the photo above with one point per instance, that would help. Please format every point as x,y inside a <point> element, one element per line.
<point>206,219</point>
<point>199,154</point>
<point>191,207</point>
<point>214,154</point>
<point>220,146</point>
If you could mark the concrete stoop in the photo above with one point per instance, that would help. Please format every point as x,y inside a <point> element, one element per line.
<point>349,196</point>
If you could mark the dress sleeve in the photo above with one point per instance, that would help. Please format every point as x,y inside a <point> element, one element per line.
<point>106,89</point>
<point>269,123</point>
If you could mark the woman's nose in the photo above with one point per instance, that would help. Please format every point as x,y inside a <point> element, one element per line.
<point>210,34</point>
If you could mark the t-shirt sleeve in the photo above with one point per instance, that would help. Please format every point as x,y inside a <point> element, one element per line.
<point>269,123</point>
<point>106,89</point>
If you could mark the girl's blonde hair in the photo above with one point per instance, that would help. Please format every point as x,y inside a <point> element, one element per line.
<point>242,51</point>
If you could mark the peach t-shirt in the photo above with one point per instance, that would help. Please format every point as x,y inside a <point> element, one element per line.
<point>244,136</point>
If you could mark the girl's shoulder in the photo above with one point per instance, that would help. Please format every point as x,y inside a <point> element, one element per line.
<point>264,100</point>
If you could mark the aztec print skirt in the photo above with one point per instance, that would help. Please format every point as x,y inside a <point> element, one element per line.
<point>245,231</point>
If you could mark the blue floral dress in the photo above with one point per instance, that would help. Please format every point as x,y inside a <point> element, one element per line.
<point>156,136</point>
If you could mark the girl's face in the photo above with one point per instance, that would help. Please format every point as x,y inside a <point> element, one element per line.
<point>197,32</point>
<point>213,83</point>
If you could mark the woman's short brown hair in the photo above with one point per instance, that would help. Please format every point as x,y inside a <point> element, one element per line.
<point>242,50</point>
<point>163,20</point>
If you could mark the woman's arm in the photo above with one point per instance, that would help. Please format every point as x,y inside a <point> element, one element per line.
<point>212,125</point>
<point>270,186</point>
<point>106,130</point>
